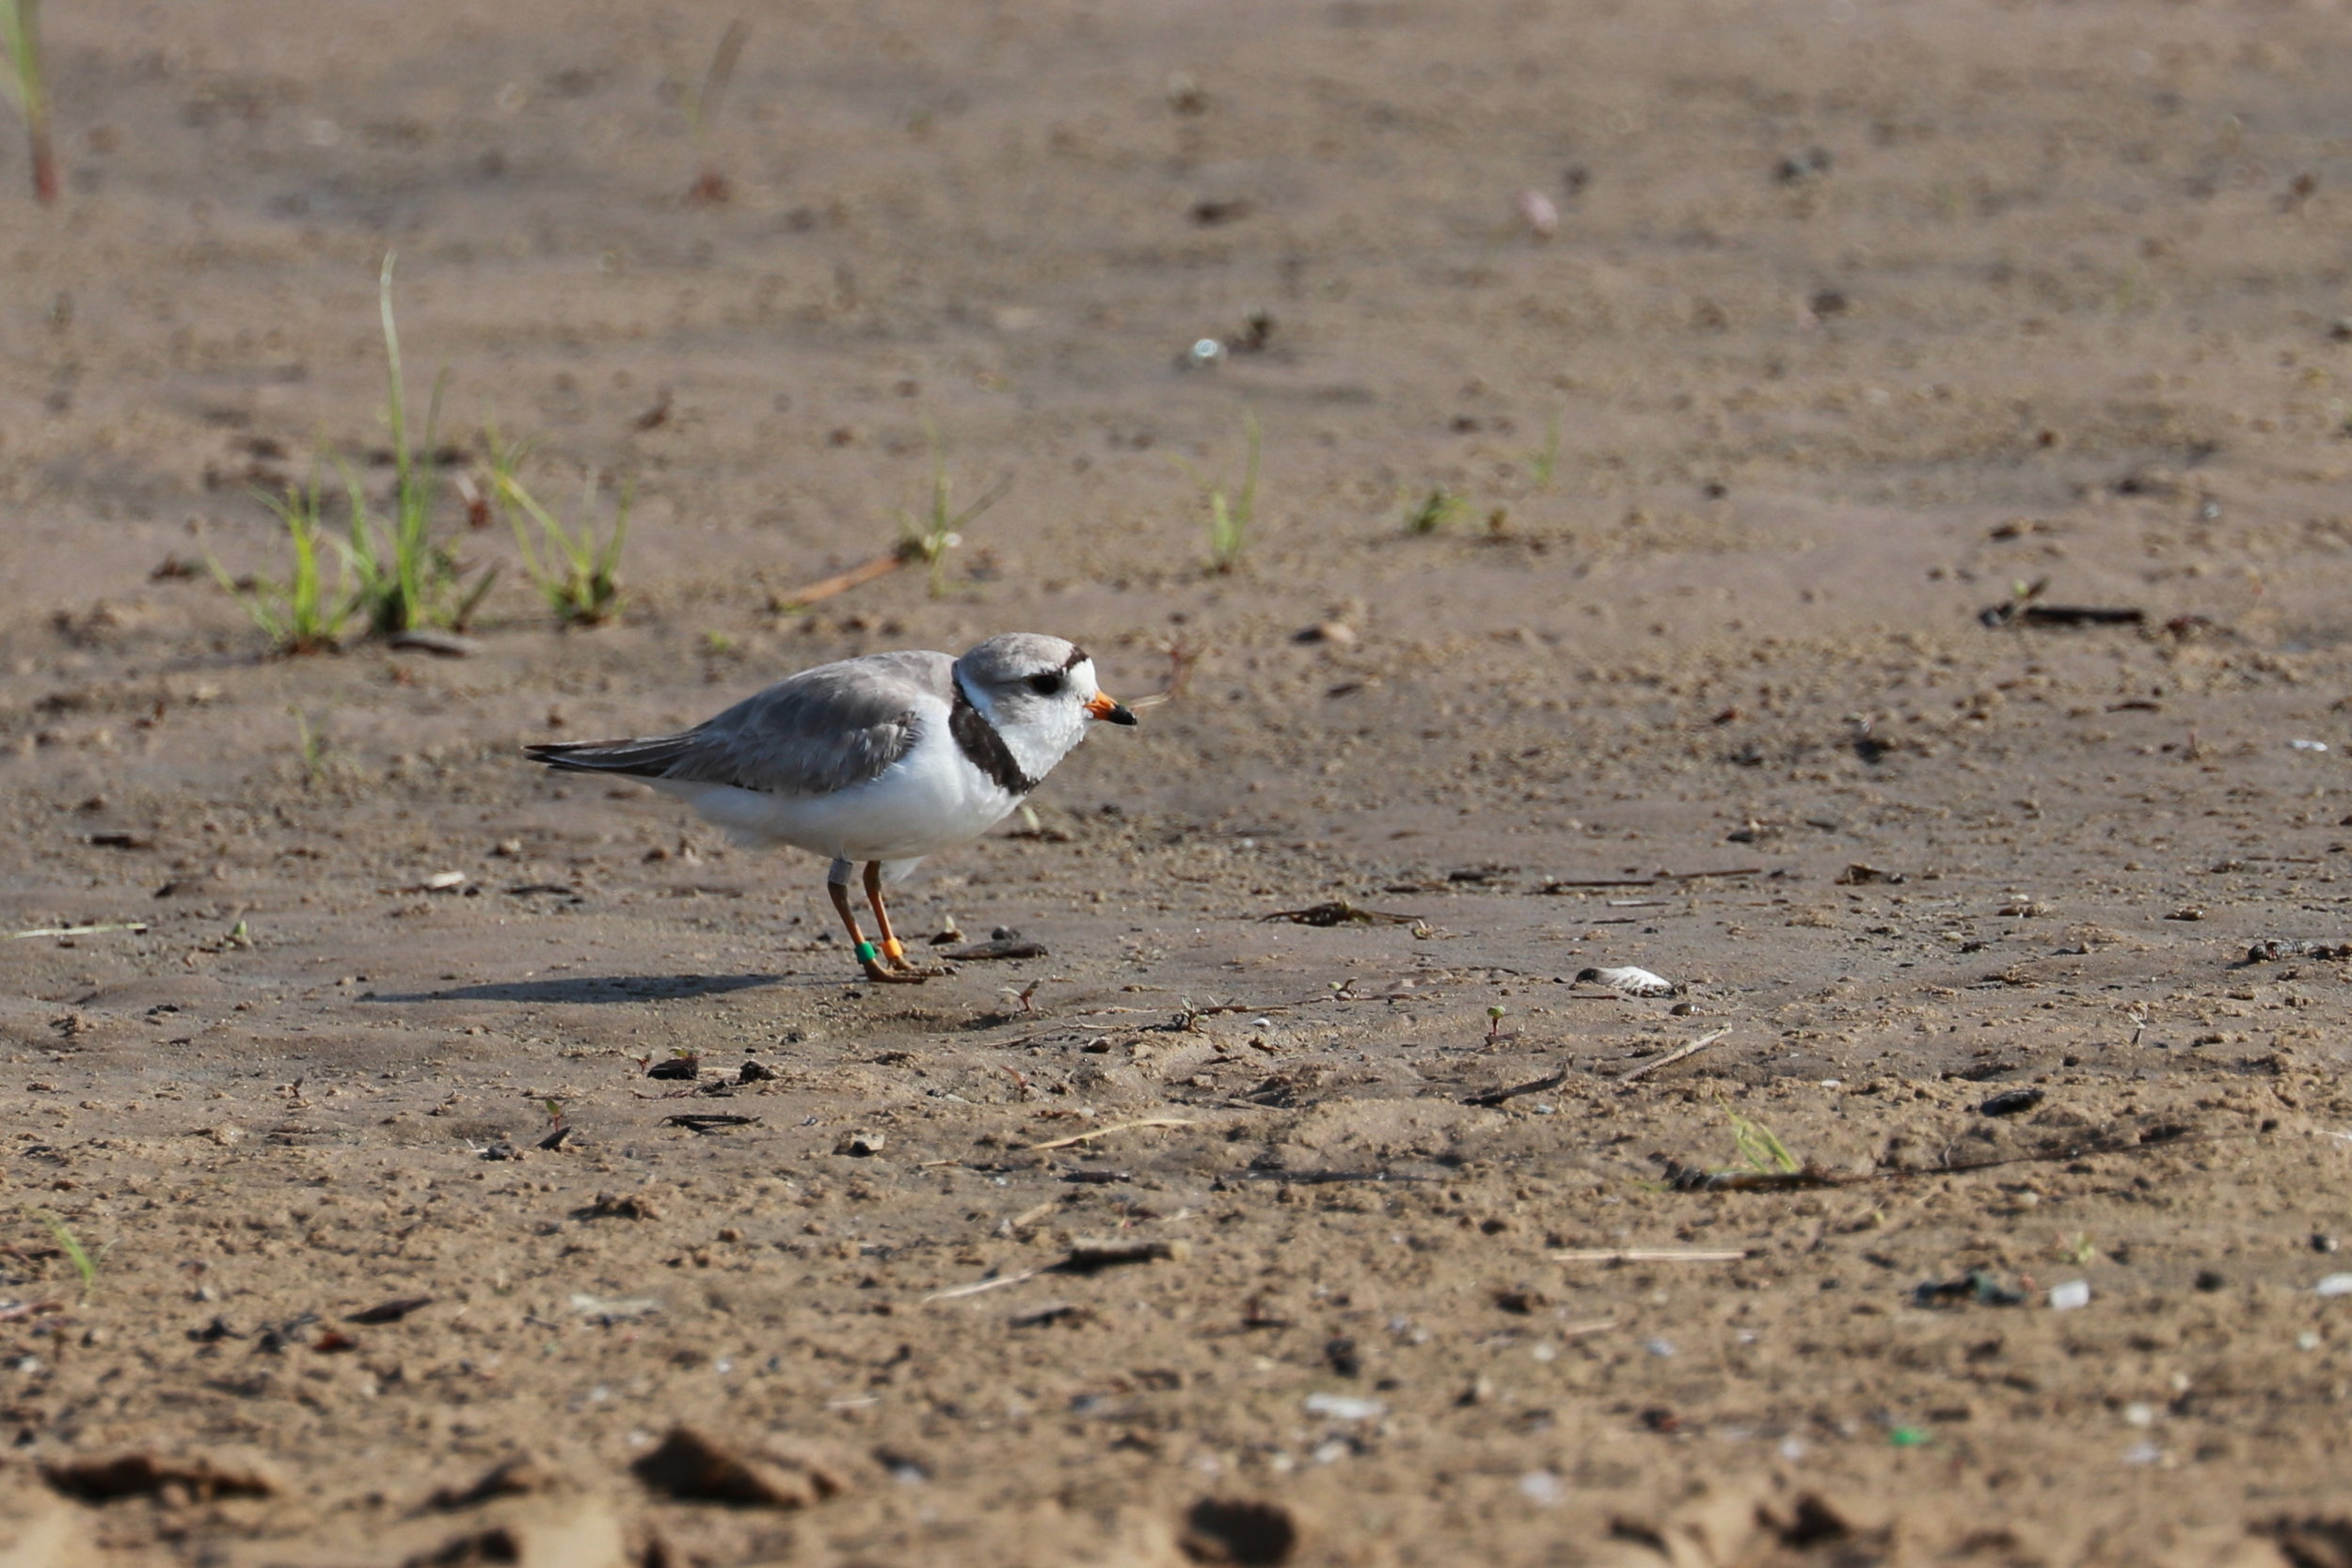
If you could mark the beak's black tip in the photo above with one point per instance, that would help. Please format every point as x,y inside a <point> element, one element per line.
<point>1120,714</point>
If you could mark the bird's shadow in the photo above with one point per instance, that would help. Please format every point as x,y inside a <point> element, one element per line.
<point>601,989</point>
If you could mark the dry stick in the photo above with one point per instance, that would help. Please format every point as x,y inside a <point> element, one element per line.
<point>856,576</point>
<point>974,1289</point>
<point>135,927</point>
<point>1105,1131</point>
<point>1653,881</point>
<point>1649,1255</point>
<point>1671,1056</point>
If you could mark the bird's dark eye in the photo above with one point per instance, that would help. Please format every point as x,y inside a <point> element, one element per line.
<point>1047,685</point>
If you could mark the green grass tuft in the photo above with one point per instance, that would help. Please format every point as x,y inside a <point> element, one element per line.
<point>1759,1148</point>
<point>578,575</point>
<point>1543,464</point>
<point>408,580</point>
<point>1440,507</point>
<point>400,578</point>
<point>76,1254</point>
<point>299,615</point>
<point>1230,517</point>
<point>928,538</point>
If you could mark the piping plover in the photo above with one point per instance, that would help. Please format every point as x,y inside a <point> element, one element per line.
<point>1631,981</point>
<point>883,759</point>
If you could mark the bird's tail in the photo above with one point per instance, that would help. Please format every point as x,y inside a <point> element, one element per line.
<point>652,757</point>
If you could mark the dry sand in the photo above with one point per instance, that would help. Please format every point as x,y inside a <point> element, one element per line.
<point>1856,316</point>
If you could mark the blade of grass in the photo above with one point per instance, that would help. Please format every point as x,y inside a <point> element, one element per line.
<point>702,104</point>
<point>1231,514</point>
<point>299,615</point>
<point>577,577</point>
<point>1543,464</point>
<point>929,539</point>
<point>1438,509</point>
<point>1229,527</point>
<point>20,39</point>
<point>75,1254</point>
<point>417,585</point>
<point>1759,1148</point>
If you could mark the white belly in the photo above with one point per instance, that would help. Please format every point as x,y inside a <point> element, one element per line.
<point>928,800</point>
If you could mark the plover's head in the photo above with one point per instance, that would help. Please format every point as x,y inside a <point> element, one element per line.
<point>1039,693</point>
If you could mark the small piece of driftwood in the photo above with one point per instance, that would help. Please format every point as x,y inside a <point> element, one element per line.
<point>1692,1049</point>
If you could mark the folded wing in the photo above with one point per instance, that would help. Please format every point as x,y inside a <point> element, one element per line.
<point>816,732</point>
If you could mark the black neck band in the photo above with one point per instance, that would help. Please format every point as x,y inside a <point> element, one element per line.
<point>979,742</point>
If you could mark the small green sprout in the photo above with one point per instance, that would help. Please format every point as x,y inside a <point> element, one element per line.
<point>299,615</point>
<point>1759,1148</point>
<point>1543,464</point>
<point>1440,507</point>
<point>312,747</point>
<point>576,575</point>
<point>930,538</point>
<point>1231,516</point>
<point>409,581</point>
<point>76,1254</point>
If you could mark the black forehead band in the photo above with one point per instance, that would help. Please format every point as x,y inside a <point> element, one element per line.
<point>1077,657</point>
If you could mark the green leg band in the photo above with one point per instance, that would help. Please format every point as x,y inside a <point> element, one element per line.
<point>866,951</point>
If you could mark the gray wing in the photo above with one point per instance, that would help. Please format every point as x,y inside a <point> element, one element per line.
<point>811,734</point>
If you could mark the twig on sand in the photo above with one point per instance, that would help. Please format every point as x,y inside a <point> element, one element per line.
<point>1677,1054</point>
<point>1649,1255</point>
<point>841,582</point>
<point>1086,1256</point>
<point>976,1287</point>
<point>131,925</point>
<point>1578,884</point>
<point>1105,1131</point>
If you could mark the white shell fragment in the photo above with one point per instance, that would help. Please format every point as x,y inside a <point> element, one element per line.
<point>1540,213</point>
<point>1632,982</point>
<point>2334,1285</point>
<point>1343,1407</point>
<point>2066,1297</point>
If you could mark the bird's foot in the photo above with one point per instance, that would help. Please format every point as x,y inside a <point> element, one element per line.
<point>882,974</point>
<point>896,956</point>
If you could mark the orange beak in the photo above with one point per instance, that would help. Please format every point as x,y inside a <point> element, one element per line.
<point>1103,705</point>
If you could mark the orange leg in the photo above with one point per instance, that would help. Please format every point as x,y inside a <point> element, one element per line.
<point>868,955</point>
<point>892,952</point>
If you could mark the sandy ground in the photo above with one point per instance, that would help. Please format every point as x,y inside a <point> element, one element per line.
<point>1857,318</point>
